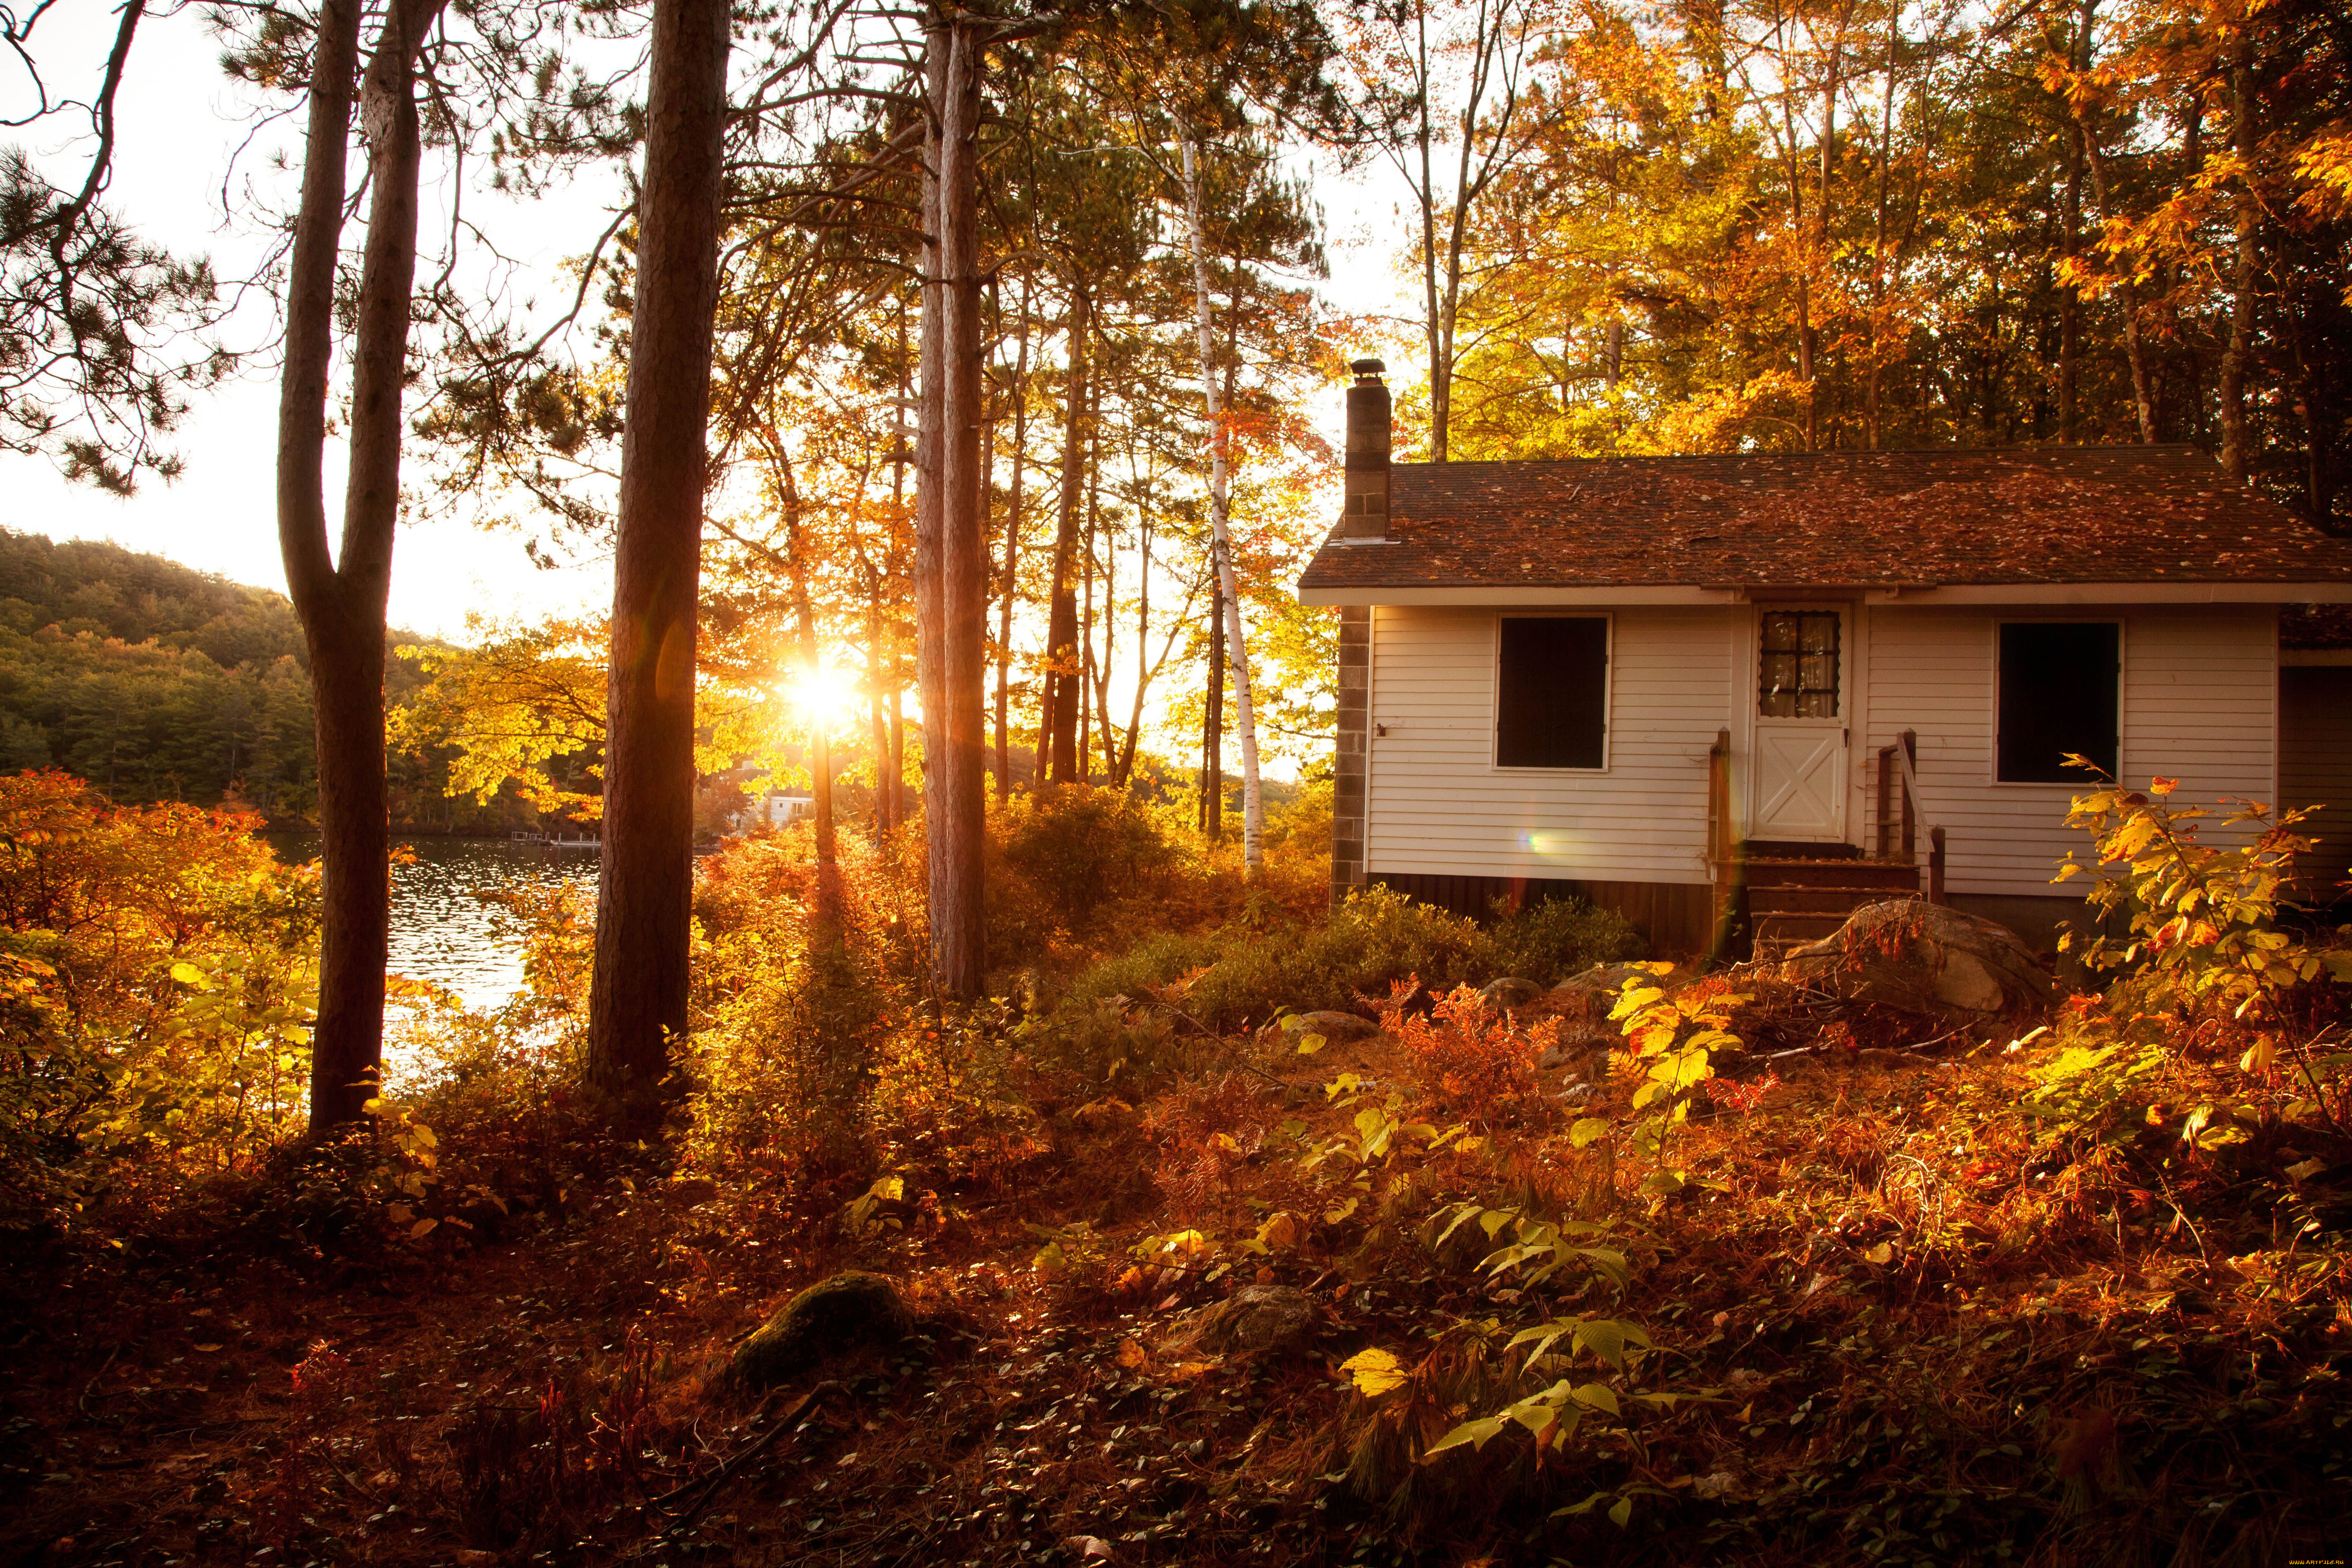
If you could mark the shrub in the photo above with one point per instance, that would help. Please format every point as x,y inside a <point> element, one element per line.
<point>1551,939</point>
<point>2201,966</point>
<point>1246,972</point>
<point>156,982</point>
<point>1483,1060</point>
<point>1080,848</point>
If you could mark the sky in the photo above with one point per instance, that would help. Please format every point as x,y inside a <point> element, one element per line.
<point>180,120</point>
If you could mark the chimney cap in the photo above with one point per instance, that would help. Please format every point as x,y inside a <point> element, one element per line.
<point>1367,368</point>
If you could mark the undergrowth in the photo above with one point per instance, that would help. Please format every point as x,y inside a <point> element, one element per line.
<point>1765,1284</point>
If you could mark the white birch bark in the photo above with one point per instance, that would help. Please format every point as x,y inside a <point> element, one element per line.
<point>1220,535</point>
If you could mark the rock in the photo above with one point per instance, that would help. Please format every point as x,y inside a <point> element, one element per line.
<point>850,1309</point>
<point>1601,979</point>
<point>1256,1319</point>
<point>1510,991</point>
<point>1931,959</point>
<point>1334,1025</point>
<point>1552,1059</point>
<point>1104,1115</point>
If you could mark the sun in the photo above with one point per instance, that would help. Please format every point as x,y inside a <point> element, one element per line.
<point>821,693</point>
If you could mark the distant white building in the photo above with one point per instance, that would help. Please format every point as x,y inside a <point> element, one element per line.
<point>777,808</point>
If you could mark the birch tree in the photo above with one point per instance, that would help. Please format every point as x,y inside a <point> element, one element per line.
<point>1220,541</point>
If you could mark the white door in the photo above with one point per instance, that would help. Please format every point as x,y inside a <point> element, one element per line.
<point>1797,792</point>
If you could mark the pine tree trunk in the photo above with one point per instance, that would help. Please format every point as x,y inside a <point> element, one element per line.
<point>1058,744</point>
<point>637,992</point>
<point>2235,456</point>
<point>341,601</point>
<point>951,545</point>
<point>1012,589</point>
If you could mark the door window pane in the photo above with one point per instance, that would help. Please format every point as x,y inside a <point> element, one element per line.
<point>1798,678</point>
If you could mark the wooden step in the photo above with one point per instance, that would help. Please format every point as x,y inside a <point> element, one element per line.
<point>1852,874</point>
<point>1841,901</point>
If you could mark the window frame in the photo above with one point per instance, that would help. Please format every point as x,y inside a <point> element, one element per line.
<point>1495,764</point>
<point>2122,690</point>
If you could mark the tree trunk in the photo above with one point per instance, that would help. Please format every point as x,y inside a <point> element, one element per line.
<point>881,757</point>
<point>2070,307</point>
<point>897,757</point>
<point>1220,532</point>
<point>2134,338</point>
<point>1057,745</point>
<point>637,992</point>
<point>1213,720</point>
<point>1125,771</point>
<point>1012,590</point>
<point>796,575</point>
<point>1810,335</point>
<point>1440,383</point>
<point>1873,419</point>
<point>2234,455</point>
<point>951,544</point>
<point>341,601</point>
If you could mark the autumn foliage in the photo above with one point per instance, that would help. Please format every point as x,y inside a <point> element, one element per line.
<point>157,966</point>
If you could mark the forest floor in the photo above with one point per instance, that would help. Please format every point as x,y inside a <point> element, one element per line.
<point>1899,1326</point>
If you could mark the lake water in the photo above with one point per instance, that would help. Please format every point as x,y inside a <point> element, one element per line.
<point>440,930</point>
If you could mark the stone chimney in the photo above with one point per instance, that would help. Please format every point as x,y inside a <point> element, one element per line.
<point>1366,519</point>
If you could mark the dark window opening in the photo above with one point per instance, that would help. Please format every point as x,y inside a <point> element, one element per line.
<point>1798,678</point>
<point>2058,694</point>
<point>1553,700</point>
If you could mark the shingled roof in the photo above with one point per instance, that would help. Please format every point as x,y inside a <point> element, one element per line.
<point>1909,519</point>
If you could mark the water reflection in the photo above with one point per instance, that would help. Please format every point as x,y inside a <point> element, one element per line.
<point>440,930</point>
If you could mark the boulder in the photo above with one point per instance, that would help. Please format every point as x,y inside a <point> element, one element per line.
<point>1931,959</point>
<point>1335,1026</point>
<point>1510,991</point>
<point>1256,1319</point>
<point>850,1309</point>
<point>1601,980</point>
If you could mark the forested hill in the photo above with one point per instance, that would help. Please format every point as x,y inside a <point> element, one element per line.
<point>84,586</point>
<point>159,682</point>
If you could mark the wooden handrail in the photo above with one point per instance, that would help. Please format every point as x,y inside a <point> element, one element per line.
<point>1720,833</point>
<point>1898,764</point>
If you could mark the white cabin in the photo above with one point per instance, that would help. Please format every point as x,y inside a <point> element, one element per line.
<point>1708,691</point>
<point>777,808</point>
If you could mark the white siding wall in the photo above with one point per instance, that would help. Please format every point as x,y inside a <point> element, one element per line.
<point>2200,704</point>
<point>1438,804</point>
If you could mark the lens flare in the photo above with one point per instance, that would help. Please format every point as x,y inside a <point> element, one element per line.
<point>822,694</point>
<point>1551,845</point>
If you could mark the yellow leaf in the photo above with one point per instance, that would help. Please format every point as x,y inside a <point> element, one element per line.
<point>1374,1371</point>
<point>1883,1253</point>
<point>422,1228</point>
